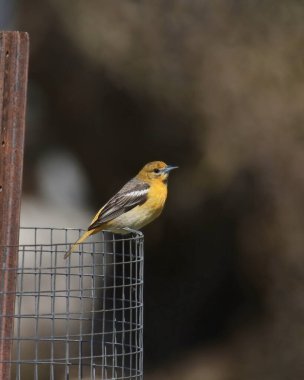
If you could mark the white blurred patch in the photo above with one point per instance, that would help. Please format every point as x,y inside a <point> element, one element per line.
<point>62,180</point>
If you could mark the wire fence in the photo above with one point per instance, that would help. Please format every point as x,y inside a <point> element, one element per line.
<point>80,318</point>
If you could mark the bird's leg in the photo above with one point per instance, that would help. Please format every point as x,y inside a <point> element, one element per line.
<point>127,229</point>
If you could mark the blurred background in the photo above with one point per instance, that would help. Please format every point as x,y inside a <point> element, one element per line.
<point>215,87</point>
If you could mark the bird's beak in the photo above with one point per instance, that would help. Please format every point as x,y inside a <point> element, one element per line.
<point>168,168</point>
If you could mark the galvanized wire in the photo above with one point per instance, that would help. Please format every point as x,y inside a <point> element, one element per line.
<point>80,318</point>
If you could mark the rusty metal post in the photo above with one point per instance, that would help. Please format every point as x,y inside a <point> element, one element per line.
<point>14,49</point>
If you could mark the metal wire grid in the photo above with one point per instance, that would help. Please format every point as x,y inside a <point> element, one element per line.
<point>80,318</point>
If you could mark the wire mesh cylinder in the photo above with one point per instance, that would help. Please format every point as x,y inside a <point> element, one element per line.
<point>80,318</point>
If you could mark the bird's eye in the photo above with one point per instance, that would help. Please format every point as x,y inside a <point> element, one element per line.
<point>156,171</point>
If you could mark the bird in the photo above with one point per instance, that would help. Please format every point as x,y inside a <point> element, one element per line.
<point>136,204</point>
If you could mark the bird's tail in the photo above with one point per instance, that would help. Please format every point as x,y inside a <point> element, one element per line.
<point>80,240</point>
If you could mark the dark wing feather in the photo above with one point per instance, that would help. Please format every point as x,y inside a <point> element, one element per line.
<point>133,194</point>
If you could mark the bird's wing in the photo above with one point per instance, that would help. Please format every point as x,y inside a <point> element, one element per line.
<point>133,194</point>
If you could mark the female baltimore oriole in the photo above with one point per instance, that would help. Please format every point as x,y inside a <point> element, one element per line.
<point>136,204</point>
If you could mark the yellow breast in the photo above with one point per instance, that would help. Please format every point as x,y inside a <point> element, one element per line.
<point>157,196</point>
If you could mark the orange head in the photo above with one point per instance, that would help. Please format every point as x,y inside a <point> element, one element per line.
<point>156,170</point>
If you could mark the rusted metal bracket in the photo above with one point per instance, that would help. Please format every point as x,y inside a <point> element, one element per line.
<point>14,51</point>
